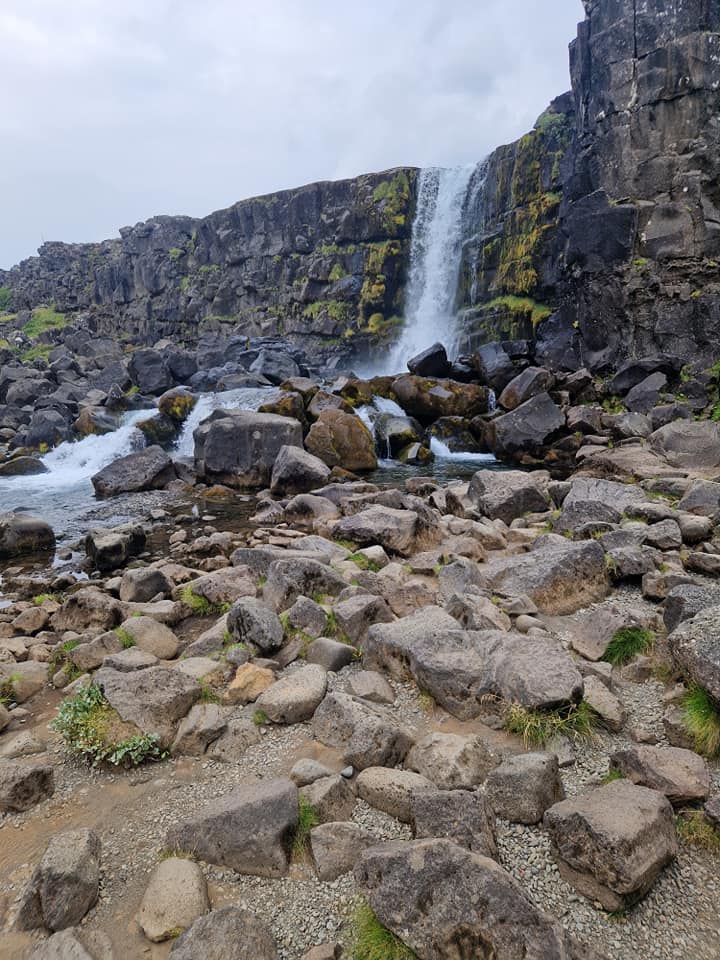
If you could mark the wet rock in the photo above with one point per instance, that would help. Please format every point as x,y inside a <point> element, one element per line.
<point>611,843</point>
<point>681,775</point>
<point>249,830</point>
<point>65,884</point>
<point>297,471</point>
<point>22,785</point>
<point>431,362</point>
<point>175,897</point>
<point>21,535</point>
<point>428,399</point>
<point>342,440</point>
<point>445,901</point>
<point>148,469</point>
<point>523,787</point>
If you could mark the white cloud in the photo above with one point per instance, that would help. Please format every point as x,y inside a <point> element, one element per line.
<point>114,112</point>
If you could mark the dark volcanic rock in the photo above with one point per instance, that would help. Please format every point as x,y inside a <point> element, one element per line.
<point>148,469</point>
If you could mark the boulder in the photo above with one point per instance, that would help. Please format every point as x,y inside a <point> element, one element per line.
<point>428,399</point>
<point>249,682</point>
<point>446,902</point>
<point>74,944</point>
<point>695,646</point>
<point>605,704</point>
<point>431,362</point>
<point>21,535</point>
<point>688,444</point>
<point>155,699</point>
<point>702,499</point>
<point>330,654</point>
<point>148,469</point>
<point>612,842</point>
<point>331,798</point>
<point>510,494</point>
<point>144,584</point>
<point>684,602</point>
<point>398,531</point>
<point>370,685</point>
<point>297,471</point>
<point>149,371</point>
<point>523,787</point>
<point>463,816</point>
<point>680,774</point>
<point>296,696</point>
<point>226,934</point>
<point>174,898</point>
<point>356,614</point>
<point>204,724</point>
<point>559,577</point>
<point>494,365</point>
<point>250,830</point>
<point>111,548</point>
<point>336,848</point>
<point>251,621</point>
<point>529,383</point>
<point>392,791</point>
<point>152,637</point>
<point>65,884</point>
<point>451,761</point>
<point>239,447</point>
<point>275,365</point>
<point>289,579</point>
<point>367,734</point>
<point>91,655</point>
<point>88,609</point>
<point>342,440</point>
<point>22,785</point>
<point>593,630</point>
<point>527,429</point>
<point>177,404</point>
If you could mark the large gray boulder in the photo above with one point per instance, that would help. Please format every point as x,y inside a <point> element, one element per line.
<point>143,584</point>
<point>297,471</point>
<point>289,579</point>
<point>398,531</point>
<point>680,774</point>
<point>21,535</point>
<point>510,494</point>
<point>451,760</point>
<point>154,700</point>
<point>250,829</point>
<point>74,944</point>
<point>148,469</point>
<point>239,447</point>
<point>527,429</point>
<point>612,843</point>
<point>110,548</point>
<point>558,577</point>
<point>446,902</point>
<point>226,934</point>
<point>336,848</point>
<point>529,383</point>
<point>522,787</point>
<point>688,444</point>
<point>252,621</point>
<point>463,816</point>
<point>695,647</point>
<point>367,734</point>
<point>296,696</point>
<point>176,895</point>
<point>149,371</point>
<point>65,884</point>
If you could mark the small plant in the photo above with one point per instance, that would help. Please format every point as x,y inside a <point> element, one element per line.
<point>59,660</point>
<point>126,639</point>
<point>307,819</point>
<point>260,718</point>
<point>611,565</point>
<point>627,643</point>
<point>693,828</point>
<point>332,624</point>
<point>348,544</point>
<point>365,563</point>
<point>207,693</point>
<point>702,720</point>
<point>201,606</point>
<point>612,775</point>
<point>40,598</point>
<point>92,730</point>
<point>167,854</point>
<point>7,689</point>
<point>372,941</point>
<point>536,727</point>
<point>613,405</point>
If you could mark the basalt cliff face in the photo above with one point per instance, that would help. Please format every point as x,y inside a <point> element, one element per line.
<point>599,232</point>
<point>596,235</point>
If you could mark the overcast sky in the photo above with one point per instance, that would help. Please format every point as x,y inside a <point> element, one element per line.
<point>116,111</point>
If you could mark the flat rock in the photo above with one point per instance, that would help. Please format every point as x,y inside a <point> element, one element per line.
<point>367,734</point>
<point>175,897</point>
<point>23,785</point>
<point>296,696</point>
<point>681,775</point>
<point>451,761</point>
<point>392,791</point>
<point>523,787</point>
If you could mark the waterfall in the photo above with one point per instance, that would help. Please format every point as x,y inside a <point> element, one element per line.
<point>438,233</point>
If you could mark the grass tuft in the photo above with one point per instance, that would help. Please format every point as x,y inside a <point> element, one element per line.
<point>365,563</point>
<point>702,720</point>
<point>307,819</point>
<point>260,718</point>
<point>126,639</point>
<point>694,829</point>
<point>536,727</point>
<point>372,941</point>
<point>612,775</point>
<point>627,644</point>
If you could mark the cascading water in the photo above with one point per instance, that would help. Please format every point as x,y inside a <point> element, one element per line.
<point>244,398</point>
<point>435,257</point>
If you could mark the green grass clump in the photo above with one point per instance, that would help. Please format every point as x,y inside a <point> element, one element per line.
<point>43,318</point>
<point>612,775</point>
<point>372,941</point>
<point>201,606</point>
<point>536,727</point>
<point>59,660</point>
<point>40,598</point>
<point>365,563</point>
<point>627,644</point>
<point>701,716</point>
<point>207,693</point>
<point>260,718</point>
<point>307,819</point>
<point>694,829</point>
<point>92,730</point>
<point>126,639</point>
<point>7,689</point>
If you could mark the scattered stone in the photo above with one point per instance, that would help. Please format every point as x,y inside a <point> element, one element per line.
<point>680,774</point>
<point>392,790</point>
<point>523,787</point>
<point>226,934</point>
<point>451,761</point>
<point>22,785</point>
<point>175,897</point>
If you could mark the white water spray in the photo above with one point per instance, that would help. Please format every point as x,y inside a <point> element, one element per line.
<point>244,398</point>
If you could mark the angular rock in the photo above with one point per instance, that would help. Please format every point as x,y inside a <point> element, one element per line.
<point>252,621</point>
<point>527,428</point>
<point>144,584</point>
<point>205,723</point>
<point>529,383</point>
<point>392,791</point>
<point>398,531</point>
<point>341,439</point>
<point>332,798</point>
<point>65,884</point>
<point>249,682</point>
<point>695,646</point>
<point>463,816</point>
<point>23,785</point>
<point>330,654</point>
<point>297,471</point>
<point>367,734</point>
<point>510,494</point>
<point>21,535</point>
<point>611,843</point>
<point>681,775</point>
<point>249,830</point>
<point>148,469</point>
<point>289,579</point>
<point>523,787</point>
<point>296,696</point>
<point>336,848</point>
<point>109,549</point>
<point>451,761</point>
<point>226,934</point>
<point>372,686</point>
<point>152,637</point>
<point>356,614</point>
<point>604,703</point>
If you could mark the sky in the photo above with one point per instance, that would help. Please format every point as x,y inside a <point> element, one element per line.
<point>118,111</point>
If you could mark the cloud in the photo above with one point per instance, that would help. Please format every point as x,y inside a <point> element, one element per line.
<point>116,112</point>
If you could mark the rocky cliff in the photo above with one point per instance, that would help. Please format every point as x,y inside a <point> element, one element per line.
<point>599,232</point>
<point>325,261</point>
